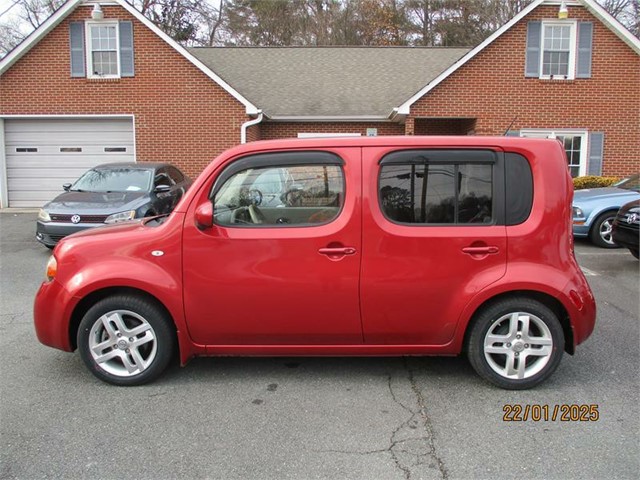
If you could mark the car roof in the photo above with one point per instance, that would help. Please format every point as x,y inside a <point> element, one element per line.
<point>132,165</point>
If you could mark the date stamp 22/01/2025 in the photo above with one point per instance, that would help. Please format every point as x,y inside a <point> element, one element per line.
<point>550,413</point>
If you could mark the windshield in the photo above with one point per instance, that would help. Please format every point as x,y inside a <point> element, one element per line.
<point>114,180</point>
<point>631,183</point>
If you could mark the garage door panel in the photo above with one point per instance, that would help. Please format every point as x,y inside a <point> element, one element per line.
<point>49,183</point>
<point>67,124</point>
<point>62,161</point>
<point>69,139</point>
<point>36,197</point>
<point>36,177</point>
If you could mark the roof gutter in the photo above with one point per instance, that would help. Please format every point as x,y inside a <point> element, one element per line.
<point>246,125</point>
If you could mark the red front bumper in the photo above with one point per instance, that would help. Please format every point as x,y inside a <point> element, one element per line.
<point>51,314</point>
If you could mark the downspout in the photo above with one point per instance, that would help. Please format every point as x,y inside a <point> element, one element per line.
<point>246,125</point>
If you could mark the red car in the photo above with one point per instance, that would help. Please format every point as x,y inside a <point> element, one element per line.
<point>358,246</point>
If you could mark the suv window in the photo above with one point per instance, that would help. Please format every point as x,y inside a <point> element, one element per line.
<point>162,179</point>
<point>437,187</point>
<point>280,196</point>
<point>175,175</point>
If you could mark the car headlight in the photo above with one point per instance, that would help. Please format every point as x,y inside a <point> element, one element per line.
<point>52,268</point>
<point>121,217</point>
<point>43,215</point>
<point>577,212</point>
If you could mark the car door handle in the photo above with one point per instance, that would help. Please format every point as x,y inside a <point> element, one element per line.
<point>337,251</point>
<point>489,249</point>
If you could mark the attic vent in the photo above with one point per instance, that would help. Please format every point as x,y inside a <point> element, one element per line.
<point>115,149</point>
<point>26,150</point>
<point>70,149</point>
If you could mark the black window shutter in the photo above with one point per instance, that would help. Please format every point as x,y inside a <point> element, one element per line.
<point>585,40</point>
<point>534,39</point>
<point>76,45</point>
<point>126,49</point>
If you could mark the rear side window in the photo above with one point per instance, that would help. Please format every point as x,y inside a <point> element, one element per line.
<point>519,188</point>
<point>453,187</point>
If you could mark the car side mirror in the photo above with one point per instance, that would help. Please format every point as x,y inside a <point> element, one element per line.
<point>204,216</point>
<point>66,186</point>
<point>162,189</point>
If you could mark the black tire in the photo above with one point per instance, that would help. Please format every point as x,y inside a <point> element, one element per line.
<point>136,347</point>
<point>530,346</point>
<point>635,253</point>
<point>600,233</point>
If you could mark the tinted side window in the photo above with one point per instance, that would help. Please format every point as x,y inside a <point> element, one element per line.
<point>292,195</point>
<point>519,188</point>
<point>175,175</point>
<point>162,179</point>
<point>437,192</point>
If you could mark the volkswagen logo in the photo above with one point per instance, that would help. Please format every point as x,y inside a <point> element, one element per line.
<point>75,219</point>
<point>632,218</point>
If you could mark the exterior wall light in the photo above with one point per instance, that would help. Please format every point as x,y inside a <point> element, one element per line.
<point>564,11</point>
<point>97,13</point>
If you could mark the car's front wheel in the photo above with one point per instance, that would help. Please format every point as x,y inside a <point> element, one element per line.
<point>126,340</point>
<point>601,231</point>
<point>515,343</point>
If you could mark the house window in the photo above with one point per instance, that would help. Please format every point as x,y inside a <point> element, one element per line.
<point>103,50</point>
<point>574,143</point>
<point>558,50</point>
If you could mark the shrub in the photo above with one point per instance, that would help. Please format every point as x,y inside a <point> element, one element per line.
<point>592,181</point>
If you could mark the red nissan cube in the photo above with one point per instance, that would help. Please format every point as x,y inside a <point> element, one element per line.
<point>356,246</point>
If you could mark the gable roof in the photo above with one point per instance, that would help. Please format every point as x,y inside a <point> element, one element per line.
<point>325,83</point>
<point>607,19</point>
<point>59,15</point>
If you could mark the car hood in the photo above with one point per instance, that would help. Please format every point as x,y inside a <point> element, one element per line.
<point>598,194</point>
<point>123,227</point>
<point>95,202</point>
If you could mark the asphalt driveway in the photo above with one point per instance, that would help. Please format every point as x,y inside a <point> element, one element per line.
<point>314,418</point>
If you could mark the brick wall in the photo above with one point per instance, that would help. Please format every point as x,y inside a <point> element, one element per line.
<point>181,115</point>
<point>492,88</point>
<point>275,130</point>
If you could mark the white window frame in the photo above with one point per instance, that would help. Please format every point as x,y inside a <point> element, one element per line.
<point>584,147</point>
<point>327,135</point>
<point>573,47</point>
<point>88,43</point>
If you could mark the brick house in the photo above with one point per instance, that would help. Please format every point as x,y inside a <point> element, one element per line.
<point>98,83</point>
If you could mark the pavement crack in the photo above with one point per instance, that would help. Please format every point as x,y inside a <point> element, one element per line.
<point>411,444</point>
<point>426,421</point>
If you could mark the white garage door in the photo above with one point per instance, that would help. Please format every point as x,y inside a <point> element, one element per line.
<point>42,154</point>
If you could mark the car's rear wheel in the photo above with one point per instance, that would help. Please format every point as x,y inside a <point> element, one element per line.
<point>515,343</point>
<point>126,340</point>
<point>601,230</point>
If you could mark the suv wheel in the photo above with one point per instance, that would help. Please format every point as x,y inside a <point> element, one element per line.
<point>515,343</point>
<point>126,340</point>
<point>601,230</point>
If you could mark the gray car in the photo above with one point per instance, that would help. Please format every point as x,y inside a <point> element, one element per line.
<point>111,193</point>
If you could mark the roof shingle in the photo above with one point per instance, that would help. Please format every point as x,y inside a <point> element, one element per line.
<point>328,81</point>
